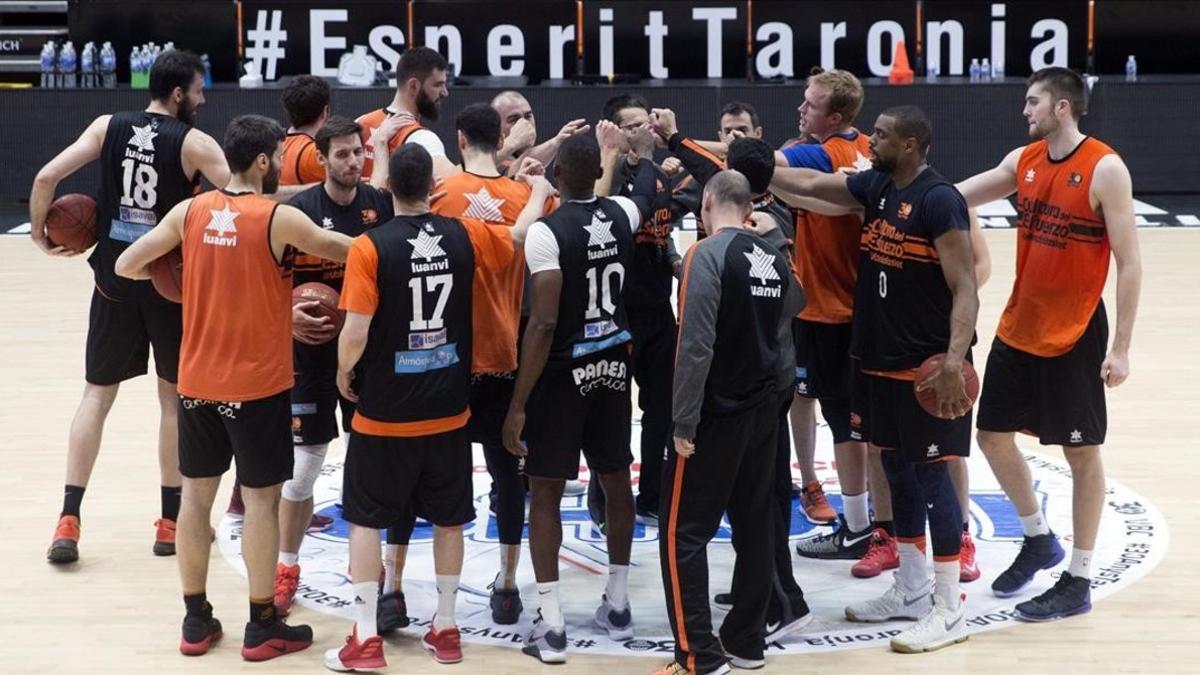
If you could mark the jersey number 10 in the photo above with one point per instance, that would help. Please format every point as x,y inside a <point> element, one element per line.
<point>600,290</point>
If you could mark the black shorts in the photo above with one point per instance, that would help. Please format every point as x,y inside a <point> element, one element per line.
<point>1059,399</point>
<point>121,333</point>
<point>491,393</point>
<point>581,406</point>
<point>824,371</point>
<point>886,414</point>
<point>254,433</point>
<point>315,396</point>
<point>387,478</point>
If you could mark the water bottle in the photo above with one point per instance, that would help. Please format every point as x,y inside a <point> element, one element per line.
<point>207,71</point>
<point>67,66</point>
<point>985,69</point>
<point>998,70</point>
<point>168,47</point>
<point>47,65</point>
<point>974,70</point>
<point>1131,69</point>
<point>108,66</point>
<point>87,66</point>
<point>931,72</point>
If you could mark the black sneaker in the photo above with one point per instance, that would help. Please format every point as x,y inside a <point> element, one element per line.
<point>1037,553</point>
<point>199,633</point>
<point>649,516</point>
<point>723,600</point>
<point>262,643</point>
<point>797,616</point>
<point>506,605</point>
<point>841,544</point>
<point>391,614</point>
<point>1069,596</point>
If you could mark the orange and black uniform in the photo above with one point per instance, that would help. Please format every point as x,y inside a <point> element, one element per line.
<point>235,364</point>
<point>409,447</point>
<point>902,307</point>
<point>300,163</point>
<point>370,122</point>
<point>1043,370</point>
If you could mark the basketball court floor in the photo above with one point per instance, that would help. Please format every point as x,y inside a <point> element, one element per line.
<point>119,609</point>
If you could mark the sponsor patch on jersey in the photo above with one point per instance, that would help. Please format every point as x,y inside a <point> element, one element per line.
<point>127,232</point>
<point>585,348</point>
<point>600,328</point>
<point>427,340</point>
<point>140,216</point>
<point>425,360</point>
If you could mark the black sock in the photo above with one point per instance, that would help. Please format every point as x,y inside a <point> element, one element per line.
<point>886,526</point>
<point>197,605</point>
<point>262,613</point>
<point>967,526</point>
<point>72,498</point>
<point>170,501</point>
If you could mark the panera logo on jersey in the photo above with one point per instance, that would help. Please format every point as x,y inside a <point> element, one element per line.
<point>604,373</point>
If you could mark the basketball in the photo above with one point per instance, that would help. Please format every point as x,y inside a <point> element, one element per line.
<point>71,222</point>
<point>328,299</point>
<point>927,398</point>
<point>166,273</point>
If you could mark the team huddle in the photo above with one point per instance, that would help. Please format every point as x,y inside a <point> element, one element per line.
<point>513,301</point>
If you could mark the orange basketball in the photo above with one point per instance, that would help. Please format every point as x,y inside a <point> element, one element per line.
<point>927,398</point>
<point>71,222</point>
<point>166,273</point>
<point>328,299</point>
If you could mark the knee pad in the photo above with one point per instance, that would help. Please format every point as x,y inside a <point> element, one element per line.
<point>941,501</point>
<point>306,468</point>
<point>836,412</point>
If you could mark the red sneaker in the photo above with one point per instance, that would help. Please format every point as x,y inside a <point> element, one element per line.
<point>445,645</point>
<point>968,571</point>
<point>287,579</point>
<point>64,546</point>
<point>814,506</point>
<point>199,633</point>
<point>319,522</point>
<point>355,655</point>
<point>881,555</point>
<point>237,508</point>
<point>164,537</point>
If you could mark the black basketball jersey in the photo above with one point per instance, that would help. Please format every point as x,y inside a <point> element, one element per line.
<point>595,247</point>
<point>369,208</point>
<point>142,178</point>
<point>417,363</point>
<point>902,302</point>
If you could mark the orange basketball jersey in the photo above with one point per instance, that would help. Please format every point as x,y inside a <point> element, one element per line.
<point>1062,250</point>
<point>370,122</point>
<point>300,164</point>
<point>496,303</point>
<point>827,247</point>
<point>237,301</point>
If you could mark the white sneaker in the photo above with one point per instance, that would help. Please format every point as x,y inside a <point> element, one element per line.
<point>619,624</point>
<point>939,628</point>
<point>545,642</point>
<point>574,488</point>
<point>896,603</point>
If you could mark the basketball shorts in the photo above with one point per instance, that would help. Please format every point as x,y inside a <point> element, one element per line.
<point>252,433</point>
<point>885,413</point>
<point>387,478</point>
<point>121,334</point>
<point>315,396</point>
<point>491,394</point>
<point>824,372</point>
<point>583,405</point>
<point>1059,399</point>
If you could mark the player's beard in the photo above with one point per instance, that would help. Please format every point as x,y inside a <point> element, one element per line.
<point>1040,130</point>
<point>427,107</point>
<point>347,179</point>
<point>271,180</point>
<point>879,163</point>
<point>187,112</point>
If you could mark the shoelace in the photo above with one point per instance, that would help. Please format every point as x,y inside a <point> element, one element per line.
<point>816,497</point>
<point>876,548</point>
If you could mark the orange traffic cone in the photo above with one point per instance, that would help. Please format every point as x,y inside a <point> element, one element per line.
<point>901,72</point>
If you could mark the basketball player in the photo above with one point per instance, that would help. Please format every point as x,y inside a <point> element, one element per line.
<point>235,370</point>
<point>518,128</point>
<point>915,297</point>
<point>421,77</point>
<point>736,304</point>
<point>404,356</point>
<point>574,376</point>
<point>150,161</point>
<point>1047,368</point>
<point>306,102</point>
<point>345,204</point>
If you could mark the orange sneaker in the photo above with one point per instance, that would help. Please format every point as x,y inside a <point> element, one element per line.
<point>64,547</point>
<point>969,570</point>
<point>814,506</point>
<point>881,555</point>
<point>287,579</point>
<point>164,537</point>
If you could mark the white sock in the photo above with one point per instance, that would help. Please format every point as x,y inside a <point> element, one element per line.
<point>289,558</point>
<point>855,508</point>
<point>548,600</point>
<point>366,602</point>
<point>506,578</point>
<point>945,582</point>
<point>447,589</point>
<point>618,586</point>
<point>914,570</point>
<point>1081,563</point>
<point>1034,524</point>
<point>389,567</point>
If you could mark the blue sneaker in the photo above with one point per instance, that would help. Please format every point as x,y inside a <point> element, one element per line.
<point>1071,595</point>
<point>1037,553</point>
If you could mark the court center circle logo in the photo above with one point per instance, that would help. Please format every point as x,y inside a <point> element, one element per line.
<point>1133,539</point>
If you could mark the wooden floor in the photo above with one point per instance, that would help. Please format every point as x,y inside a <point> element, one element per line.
<point>119,608</point>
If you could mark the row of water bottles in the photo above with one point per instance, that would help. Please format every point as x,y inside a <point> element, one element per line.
<point>982,72</point>
<point>97,68</point>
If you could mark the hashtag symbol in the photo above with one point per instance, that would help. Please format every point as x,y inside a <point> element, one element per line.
<point>266,44</point>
